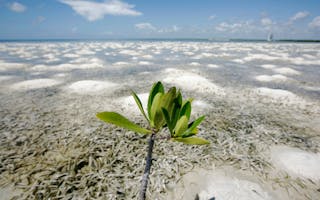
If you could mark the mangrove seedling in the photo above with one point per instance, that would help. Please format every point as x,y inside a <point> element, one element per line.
<point>164,109</point>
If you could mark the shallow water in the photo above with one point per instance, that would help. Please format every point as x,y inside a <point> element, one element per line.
<point>256,95</point>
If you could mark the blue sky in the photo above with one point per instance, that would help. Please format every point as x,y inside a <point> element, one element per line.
<point>96,19</point>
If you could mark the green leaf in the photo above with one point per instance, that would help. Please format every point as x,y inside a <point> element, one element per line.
<point>181,126</point>
<point>156,88</point>
<point>179,98</point>
<point>194,125</point>
<point>167,118</point>
<point>186,109</point>
<point>168,99</point>
<point>190,133</point>
<point>155,107</point>
<point>119,120</point>
<point>136,98</point>
<point>192,140</point>
<point>159,120</point>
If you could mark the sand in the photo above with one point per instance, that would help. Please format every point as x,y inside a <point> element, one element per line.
<point>273,78</point>
<point>200,106</point>
<point>129,105</point>
<point>192,82</point>
<point>286,71</point>
<point>35,84</point>
<point>145,63</point>
<point>296,162</point>
<point>5,78</point>
<point>279,95</point>
<point>91,87</point>
<point>194,64</point>
<point>268,66</point>
<point>212,66</point>
<point>220,184</point>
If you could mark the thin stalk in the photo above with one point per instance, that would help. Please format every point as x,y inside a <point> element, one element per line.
<point>145,177</point>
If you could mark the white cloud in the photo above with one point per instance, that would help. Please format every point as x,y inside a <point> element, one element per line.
<point>145,26</point>
<point>17,7</point>
<point>266,21</point>
<point>233,27</point>
<point>92,10</point>
<point>212,17</point>
<point>298,16</point>
<point>315,23</point>
<point>172,29</point>
<point>150,27</point>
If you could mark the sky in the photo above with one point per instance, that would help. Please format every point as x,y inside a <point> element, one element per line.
<point>120,19</point>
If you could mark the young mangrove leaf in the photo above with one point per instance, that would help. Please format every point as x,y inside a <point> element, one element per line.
<point>168,121</point>
<point>138,101</point>
<point>119,120</point>
<point>194,124</point>
<point>181,126</point>
<point>155,107</point>
<point>190,133</point>
<point>186,109</point>
<point>192,140</point>
<point>156,88</point>
<point>167,101</point>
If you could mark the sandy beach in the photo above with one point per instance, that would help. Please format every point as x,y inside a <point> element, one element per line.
<point>261,102</point>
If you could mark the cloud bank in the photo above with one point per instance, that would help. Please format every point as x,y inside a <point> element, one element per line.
<point>93,11</point>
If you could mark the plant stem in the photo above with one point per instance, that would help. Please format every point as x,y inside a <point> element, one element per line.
<point>145,177</point>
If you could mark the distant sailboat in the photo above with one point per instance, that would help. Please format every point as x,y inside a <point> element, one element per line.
<point>270,37</point>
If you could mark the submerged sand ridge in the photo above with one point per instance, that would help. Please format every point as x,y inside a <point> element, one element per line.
<point>220,184</point>
<point>261,120</point>
<point>297,162</point>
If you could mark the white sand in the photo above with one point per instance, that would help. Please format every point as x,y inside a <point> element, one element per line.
<point>279,95</point>
<point>5,78</point>
<point>191,81</point>
<point>6,66</point>
<point>92,87</point>
<point>200,106</point>
<point>296,162</point>
<point>120,63</point>
<point>273,78</point>
<point>79,63</point>
<point>147,57</point>
<point>145,63</point>
<point>129,52</point>
<point>71,55</point>
<point>194,64</point>
<point>252,57</point>
<point>212,66</point>
<point>188,53</point>
<point>238,61</point>
<point>286,70</point>
<point>219,184</point>
<point>128,103</point>
<point>8,192</point>
<point>268,66</point>
<point>35,84</point>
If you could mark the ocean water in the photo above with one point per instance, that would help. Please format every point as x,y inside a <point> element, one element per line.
<point>252,93</point>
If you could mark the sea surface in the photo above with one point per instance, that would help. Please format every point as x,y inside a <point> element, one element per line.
<point>255,95</point>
